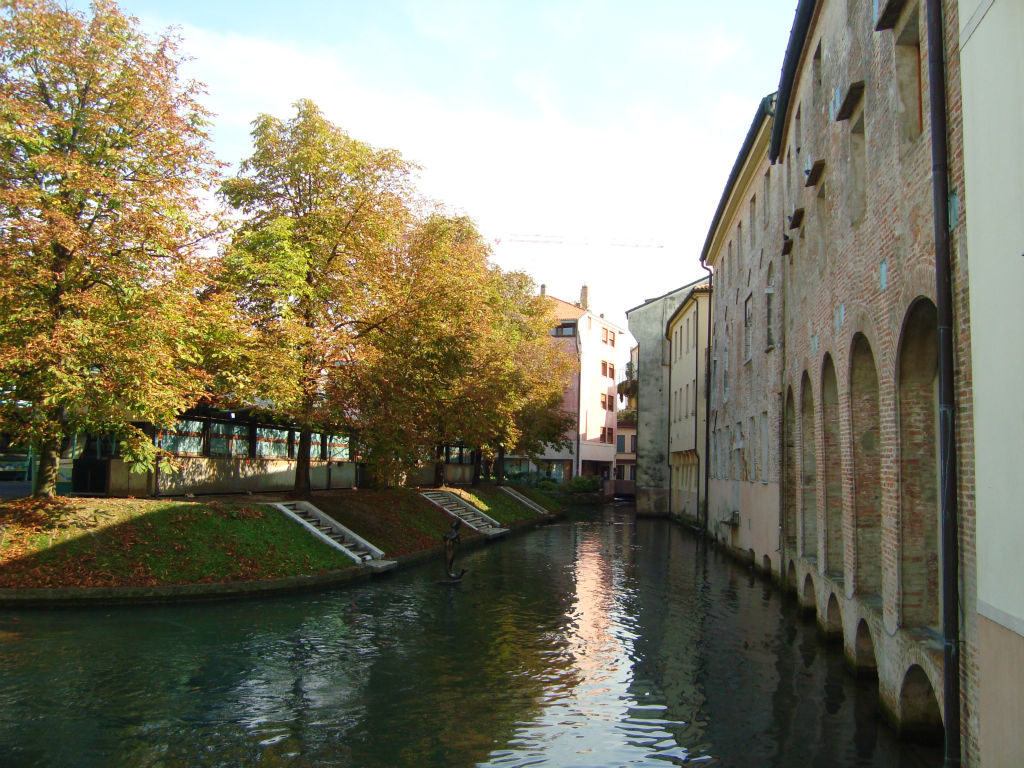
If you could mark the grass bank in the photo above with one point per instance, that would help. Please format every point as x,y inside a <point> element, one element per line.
<point>77,542</point>
<point>397,520</point>
<point>503,507</point>
<point>110,542</point>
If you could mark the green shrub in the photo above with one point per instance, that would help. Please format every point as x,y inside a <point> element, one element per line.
<point>584,484</point>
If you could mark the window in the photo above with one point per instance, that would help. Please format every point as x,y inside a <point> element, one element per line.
<point>607,435</point>
<point>337,448</point>
<point>687,398</point>
<point>611,371</point>
<point>764,446</point>
<point>765,198</point>
<point>620,445</point>
<point>229,439</point>
<point>748,319</point>
<point>753,218</point>
<point>186,436</point>
<point>796,133</point>
<point>316,445</point>
<point>687,334</point>
<point>632,443</point>
<point>694,397</point>
<point>908,76</point>
<point>858,170</point>
<point>565,329</point>
<point>752,465</point>
<point>816,77</point>
<point>769,317</point>
<point>739,246</point>
<point>271,441</point>
<point>604,402</point>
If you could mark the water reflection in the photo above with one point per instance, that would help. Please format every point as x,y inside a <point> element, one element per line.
<point>602,641</point>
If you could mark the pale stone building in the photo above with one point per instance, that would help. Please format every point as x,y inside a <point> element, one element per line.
<point>687,333</point>
<point>743,248</point>
<point>647,324</point>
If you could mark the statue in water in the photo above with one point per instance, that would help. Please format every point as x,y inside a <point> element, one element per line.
<point>451,542</point>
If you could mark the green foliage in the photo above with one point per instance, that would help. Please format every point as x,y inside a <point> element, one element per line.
<point>583,484</point>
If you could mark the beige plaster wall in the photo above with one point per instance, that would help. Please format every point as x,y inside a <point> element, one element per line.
<point>1001,702</point>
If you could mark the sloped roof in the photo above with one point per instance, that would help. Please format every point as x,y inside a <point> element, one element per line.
<point>563,310</point>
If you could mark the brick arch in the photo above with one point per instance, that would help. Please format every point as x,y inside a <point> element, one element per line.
<point>808,600</point>
<point>920,717</point>
<point>918,467</point>
<point>790,470</point>
<point>864,661</point>
<point>832,624</point>
<point>918,284</point>
<point>808,472</point>
<point>832,469</point>
<point>867,467</point>
<point>861,323</point>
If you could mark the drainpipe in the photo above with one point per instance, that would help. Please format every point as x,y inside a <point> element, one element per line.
<point>707,401</point>
<point>947,445</point>
<point>579,401</point>
<point>696,378</point>
<point>668,427</point>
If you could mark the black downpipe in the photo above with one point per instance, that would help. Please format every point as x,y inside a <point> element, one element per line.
<point>707,402</point>
<point>947,446</point>
<point>579,402</point>
<point>668,429</point>
<point>696,379</point>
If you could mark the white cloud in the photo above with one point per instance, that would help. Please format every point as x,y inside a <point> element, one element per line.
<point>651,175</point>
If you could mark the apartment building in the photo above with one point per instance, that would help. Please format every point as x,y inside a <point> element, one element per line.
<point>590,396</point>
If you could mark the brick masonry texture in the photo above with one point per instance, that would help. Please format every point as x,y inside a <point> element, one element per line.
<point>843,361</point>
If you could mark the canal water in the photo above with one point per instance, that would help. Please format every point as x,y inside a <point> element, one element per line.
<point>599,641</point>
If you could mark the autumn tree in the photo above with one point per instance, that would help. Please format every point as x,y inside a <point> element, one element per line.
<point>319,259</point>
<point>103,152</point>
<point>468,359</point>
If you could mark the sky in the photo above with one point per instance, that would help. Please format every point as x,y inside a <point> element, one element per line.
<point>589,140</point>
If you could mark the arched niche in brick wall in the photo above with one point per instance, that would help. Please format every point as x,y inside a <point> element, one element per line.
<point>867,467</point>
<point>832,466</point>
<point>808,472</point>
<point>919,467</point>
<point>790,488</point>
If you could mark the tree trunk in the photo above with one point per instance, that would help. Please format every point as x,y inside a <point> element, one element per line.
<point>477,461</point>
<point>439,468</point>
<point>499,466</point>
<point>45,486</point>
<point>302,484</point>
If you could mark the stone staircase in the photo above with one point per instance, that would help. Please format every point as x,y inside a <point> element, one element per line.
<point>334,534</point>
<point>525,501</point>
<point>466,512</point>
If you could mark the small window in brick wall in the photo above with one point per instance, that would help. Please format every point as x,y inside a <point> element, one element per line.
<point>748,320</point>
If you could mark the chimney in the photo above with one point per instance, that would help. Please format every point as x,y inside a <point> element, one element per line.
<point>584,298</point>
<point>543,290</point>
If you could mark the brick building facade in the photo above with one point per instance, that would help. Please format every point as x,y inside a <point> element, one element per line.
<point>825,364</point>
